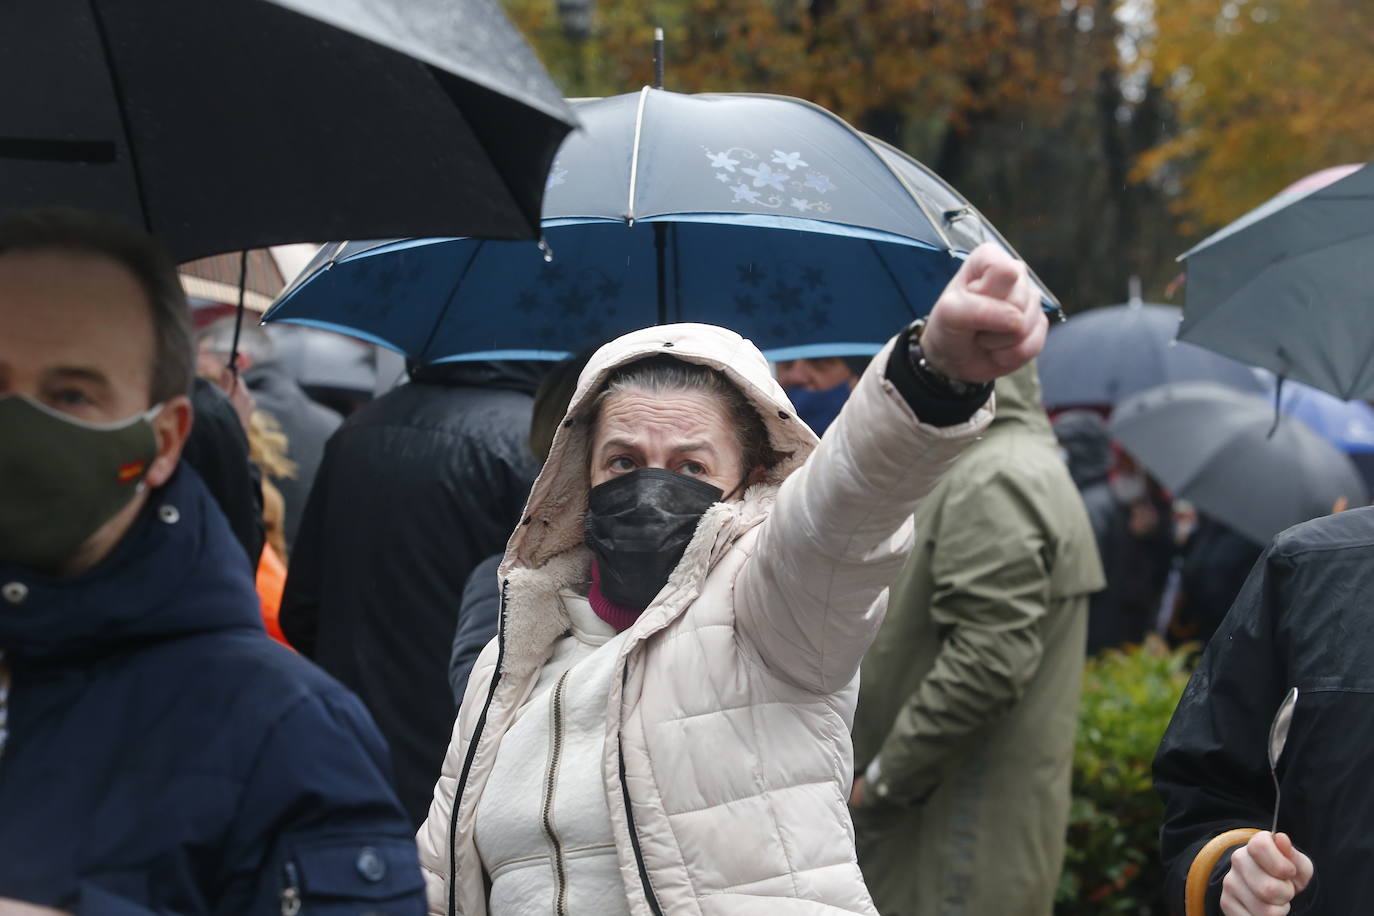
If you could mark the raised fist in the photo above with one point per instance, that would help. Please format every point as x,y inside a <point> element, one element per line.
<point>988,322</point>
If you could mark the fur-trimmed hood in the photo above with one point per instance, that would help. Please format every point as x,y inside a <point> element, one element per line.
<point>546,551</point>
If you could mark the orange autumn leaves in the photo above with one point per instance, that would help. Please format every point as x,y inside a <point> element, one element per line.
<point>1267,91</point>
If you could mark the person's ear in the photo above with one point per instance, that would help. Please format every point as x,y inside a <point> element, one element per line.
<point>171,427</point>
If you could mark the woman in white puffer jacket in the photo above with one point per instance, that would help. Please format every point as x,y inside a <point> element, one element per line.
<point>662,724</point>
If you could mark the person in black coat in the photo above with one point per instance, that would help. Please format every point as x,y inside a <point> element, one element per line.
<point>307,425</point>
<point>158,752</point>
<point>415,489</point>
<point>1135,558</point>
<point>1216,562</point>
<point>218,449</point>
<point>481,608</point>
<point>1303,619</point>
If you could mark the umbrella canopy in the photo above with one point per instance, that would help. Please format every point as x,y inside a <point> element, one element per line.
<point>765,214</point>
<point>222,125</point>
<point>1213,445</point>
<point>1103,355</point>
<point>1348,425</point>
<point>1290,285</point>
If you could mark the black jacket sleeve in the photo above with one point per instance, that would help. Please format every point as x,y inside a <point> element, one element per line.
<point>930,403</point>
<point>299,617</point>
<point>1211,768</point>
<point>478,618</point>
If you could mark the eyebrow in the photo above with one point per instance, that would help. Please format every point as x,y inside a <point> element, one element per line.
<point>701,446</point>
<point>77,373</point>
<point>694,446</point>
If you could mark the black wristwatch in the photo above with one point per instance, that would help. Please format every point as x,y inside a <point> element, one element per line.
<point>936,378</point>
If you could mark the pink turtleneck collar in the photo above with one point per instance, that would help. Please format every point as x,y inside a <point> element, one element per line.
<point>617,615</point>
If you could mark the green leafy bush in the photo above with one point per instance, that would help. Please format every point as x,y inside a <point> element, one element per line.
<point>1112,863</point>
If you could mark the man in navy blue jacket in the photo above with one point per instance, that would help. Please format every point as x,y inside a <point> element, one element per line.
<point>158,752</point>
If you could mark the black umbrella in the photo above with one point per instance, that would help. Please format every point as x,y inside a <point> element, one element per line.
<point>1103,355</point>
<point>230,124</point>
<point>1220,449</point>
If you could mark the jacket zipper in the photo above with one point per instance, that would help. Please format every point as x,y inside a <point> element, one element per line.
<point>6,686</point>
<point>560,866</point>
<point>472,752</point>
<point>649,896</point>
<point>290,890</point>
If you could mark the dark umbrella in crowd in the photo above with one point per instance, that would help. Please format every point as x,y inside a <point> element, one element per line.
<point>1103,355</point>
<point>766,214</point>
<point>224,125</point>
<point>1220,449</point>
<point>1290,285</point>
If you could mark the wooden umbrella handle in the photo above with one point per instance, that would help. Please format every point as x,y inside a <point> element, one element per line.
<point>1200,872</point>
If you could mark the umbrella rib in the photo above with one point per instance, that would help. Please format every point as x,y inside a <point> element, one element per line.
<point>634,156</point>
<point>877,252</point>
<point>117,85</point>
<point>448,303</point>
<point>906,186</point>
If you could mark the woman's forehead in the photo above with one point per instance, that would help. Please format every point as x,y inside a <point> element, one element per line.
<point>673,413</point>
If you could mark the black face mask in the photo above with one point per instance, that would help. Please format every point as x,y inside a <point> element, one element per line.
<point>638,527</point>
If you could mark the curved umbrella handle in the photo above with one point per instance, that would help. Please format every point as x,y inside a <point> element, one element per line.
<point>1200,872</point>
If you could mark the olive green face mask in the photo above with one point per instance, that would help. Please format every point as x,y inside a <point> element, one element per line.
<point>62,478</point>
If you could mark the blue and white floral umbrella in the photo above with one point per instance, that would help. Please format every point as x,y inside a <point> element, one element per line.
<point>765,214</point>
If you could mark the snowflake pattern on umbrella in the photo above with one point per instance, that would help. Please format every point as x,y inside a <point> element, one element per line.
<point>783,180</point>
<point>569,304</point>
<point>795,301</point>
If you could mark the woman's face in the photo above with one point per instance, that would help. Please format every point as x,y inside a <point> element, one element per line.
<point>687,432</point>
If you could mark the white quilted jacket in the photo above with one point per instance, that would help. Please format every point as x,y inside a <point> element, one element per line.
<point>727,761</point>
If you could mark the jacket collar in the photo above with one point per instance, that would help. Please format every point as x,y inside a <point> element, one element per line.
<point>177,571</point>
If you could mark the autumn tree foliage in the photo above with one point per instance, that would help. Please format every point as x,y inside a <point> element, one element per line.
<point>1025,105</point>
<point>1267,91</point>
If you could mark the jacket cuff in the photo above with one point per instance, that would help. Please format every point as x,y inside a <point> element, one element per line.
<point>931,403</point>
<point>1213,907</point>
<point>881,793</point>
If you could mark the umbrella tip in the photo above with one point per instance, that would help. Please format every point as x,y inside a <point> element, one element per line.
<point>1133,289</point>
<point>658,58</point>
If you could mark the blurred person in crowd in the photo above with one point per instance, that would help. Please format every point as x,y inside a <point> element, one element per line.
<point>819,387</point>
<point>266,460</point>
<point>217,448</point>
<point>1119,613</point>
<point>477,618</point>
<point>160,754</point>
<point>1302,619</point>
<point>307,425</point>
<point>1214,565</point>
<point>662,724</point>
<point>1139,560</point>
<point>415,489</point>
<point>963,739</point>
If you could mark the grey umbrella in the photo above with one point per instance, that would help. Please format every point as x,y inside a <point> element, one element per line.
<point>1212,445</point>
<point>1103,355</point>
<point>1290,286</point>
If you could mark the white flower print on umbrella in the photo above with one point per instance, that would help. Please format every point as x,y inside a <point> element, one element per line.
<point>766,177</point>
<point>792,161</point>
<point>745,193</point>
<point>722,160</point>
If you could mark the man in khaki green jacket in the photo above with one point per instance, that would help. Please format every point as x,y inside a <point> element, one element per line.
<point>963,739</point>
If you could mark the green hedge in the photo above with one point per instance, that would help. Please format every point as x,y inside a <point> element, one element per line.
<point>1112,863</point>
